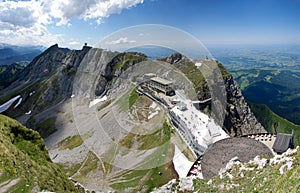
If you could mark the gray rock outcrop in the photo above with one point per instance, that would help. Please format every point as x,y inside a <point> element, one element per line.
<point>239,119</point>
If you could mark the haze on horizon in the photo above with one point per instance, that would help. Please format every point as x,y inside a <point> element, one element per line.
<point>216,22</point>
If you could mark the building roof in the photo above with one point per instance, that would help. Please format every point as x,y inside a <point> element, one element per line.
<point>282,142</point>
<point>150,74</point>
<point>161,80</point>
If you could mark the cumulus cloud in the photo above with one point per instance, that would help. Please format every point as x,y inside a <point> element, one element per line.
<point>31,18</point>
<point>105,8</point>
<point>64,10</point>
<point>122,40</point>
<point>18,17</point>
<point>19,14</point>
<point>74,43</point>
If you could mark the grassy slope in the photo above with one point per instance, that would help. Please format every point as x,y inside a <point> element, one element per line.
<point>23,155</point>
<point>145,180</point>
<point>70,142</point>
<point>268,118</point>
<point>129,180</point>
<point>133,97</point>
<point>129,58</point>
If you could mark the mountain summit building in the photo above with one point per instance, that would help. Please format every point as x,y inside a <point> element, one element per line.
<point>159,84</point>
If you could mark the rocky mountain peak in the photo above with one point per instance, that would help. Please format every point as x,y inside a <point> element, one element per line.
<point>173,58</point>
<point>239,119</point>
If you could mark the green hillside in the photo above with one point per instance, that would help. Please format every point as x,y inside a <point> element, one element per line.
<point>276,87</point>
<point>9,73</point>
<point>25,165</point>
<point>271,121</point>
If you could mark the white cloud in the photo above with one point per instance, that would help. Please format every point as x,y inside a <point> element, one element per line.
<point>102,9</point>
<point>143,34</point>
<point>74,43</point>
<point>29,19</point>
<point>18,16</point>
<point>122,40</point>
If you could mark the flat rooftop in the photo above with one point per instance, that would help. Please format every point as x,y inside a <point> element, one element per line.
<point>150,74</point>
<point>161,80</point>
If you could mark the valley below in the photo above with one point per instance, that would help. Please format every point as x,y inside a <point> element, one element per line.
<point>269,79</point>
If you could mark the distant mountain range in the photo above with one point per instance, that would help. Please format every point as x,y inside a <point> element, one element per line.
<point>153,51</point>
<point>21,54</point>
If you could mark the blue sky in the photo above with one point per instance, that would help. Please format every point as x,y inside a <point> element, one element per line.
<point>71,23</point>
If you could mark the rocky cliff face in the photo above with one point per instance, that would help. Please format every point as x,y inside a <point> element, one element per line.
<point>98,69</point>
<point>46,81</point>
<point>239,119</point>
<point>49,79</point>
<point>62,70</point>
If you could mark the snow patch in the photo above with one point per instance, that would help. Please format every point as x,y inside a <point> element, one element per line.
<point>96,101</point>
<point>6,105</point>
<point>31,93</point>
<point>198,64</point>
<point>28,113</point>
<point>18,103</point>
